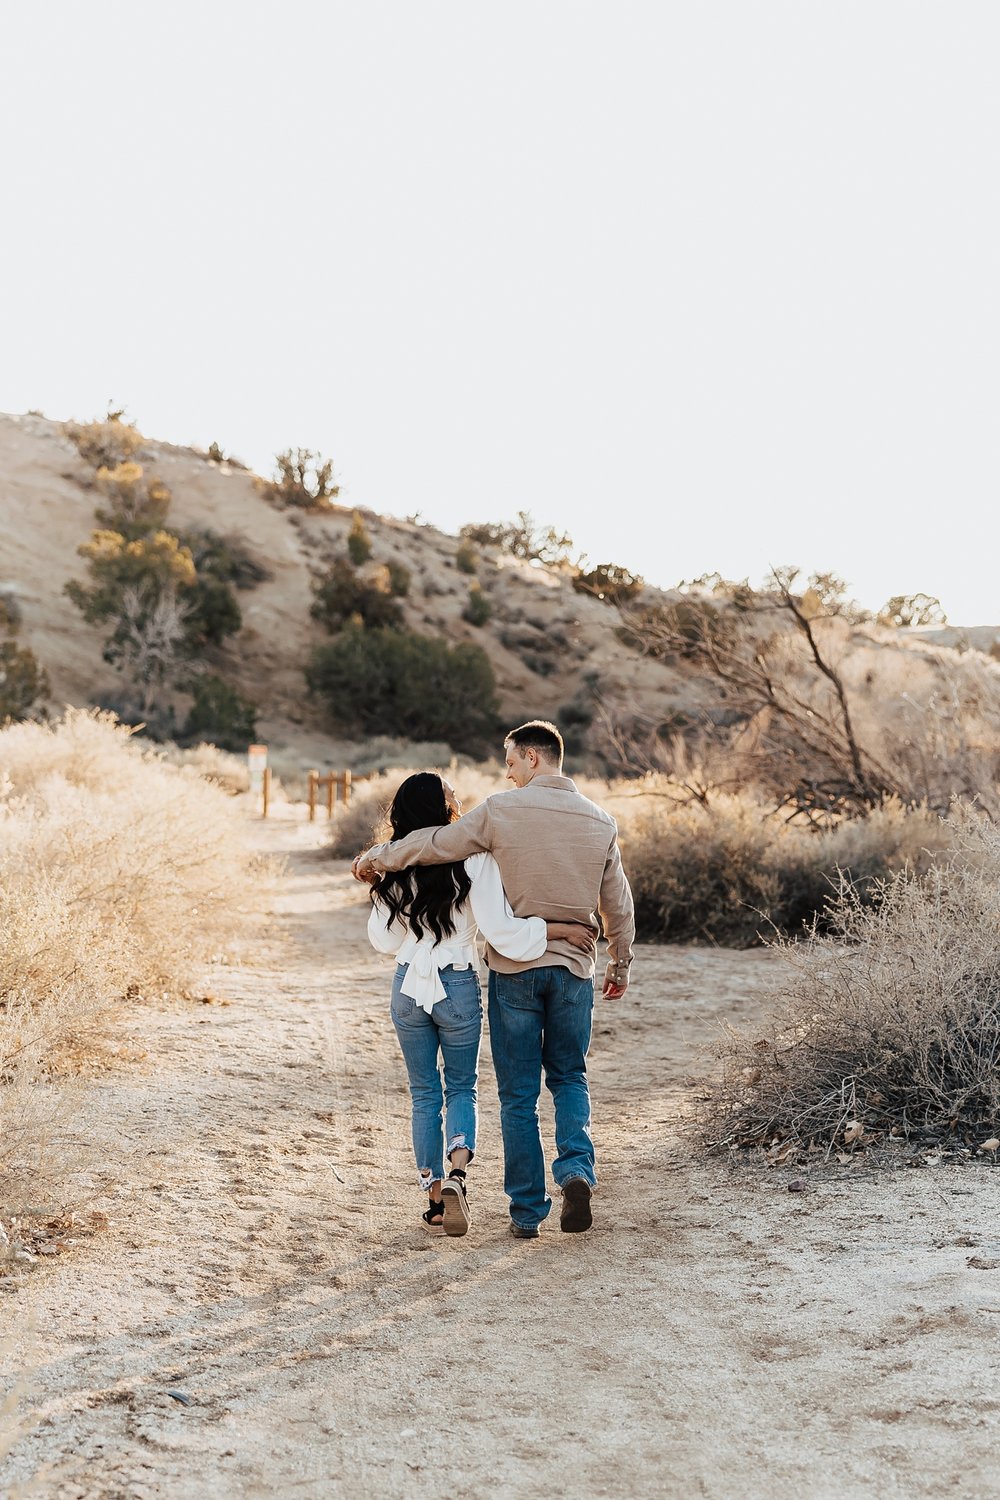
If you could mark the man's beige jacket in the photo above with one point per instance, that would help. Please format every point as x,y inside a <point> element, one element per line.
<point>558,855</point>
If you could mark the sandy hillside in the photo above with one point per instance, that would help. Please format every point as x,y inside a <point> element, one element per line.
<point>543,637</point>
<point>714,1335</point>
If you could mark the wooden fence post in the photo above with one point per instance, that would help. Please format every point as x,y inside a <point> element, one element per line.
<point>267,789</point>
<point>313,781</point>
<point>331,792</point>
<point>347,788</point>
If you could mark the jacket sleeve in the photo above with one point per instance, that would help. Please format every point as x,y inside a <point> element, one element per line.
<point>383,937</point>
<point>519,938</point>
<point>616,907</point>
<point>471,834</point>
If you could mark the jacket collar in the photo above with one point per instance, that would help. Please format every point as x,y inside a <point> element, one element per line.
<point>563,783</point>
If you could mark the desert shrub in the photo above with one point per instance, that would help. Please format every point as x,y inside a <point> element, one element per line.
<point>342,595</point>
<point>105,444</point>
<point>680,631</point>
<point>732,873</point>
<point>400,578</point>
<point>359,542</point>
<point>131,503</point>
<point>466,558</point>
<point>478,609</point>
<point>227,558</point>
<point>610,582</point>
<point>362,822</point>
<point>890,1022</point>
<point>221,767</point>
<point>24,683</point>
<point>157,564</point>
<point>574,719</point>
<point>11,614</point>
<point>386,681</point>
<point>220,713</point>
<point>303,480</point>
<point>211,613</point>
<point>117,880</point>
<point>523,538</point>
<point>912,611</point>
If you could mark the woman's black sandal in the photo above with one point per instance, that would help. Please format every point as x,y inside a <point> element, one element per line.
<point>433,1218</point>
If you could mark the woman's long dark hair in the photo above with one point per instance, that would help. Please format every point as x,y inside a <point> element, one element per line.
<point>424,897</point>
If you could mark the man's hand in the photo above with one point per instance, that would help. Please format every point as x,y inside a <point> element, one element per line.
<point>363,869</point>
<point>615,980</point>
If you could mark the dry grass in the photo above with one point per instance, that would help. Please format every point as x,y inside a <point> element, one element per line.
<point>364,823</point>
<point>119,877</point>
<point>889,1023</point>
<point>220,767</point>
<point>732,872</point>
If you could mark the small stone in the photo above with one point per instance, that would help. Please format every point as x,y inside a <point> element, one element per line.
<point>180,1396</point>
<point>798,1185</point>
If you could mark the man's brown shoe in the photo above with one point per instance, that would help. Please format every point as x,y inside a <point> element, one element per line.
<point>575,1215</point>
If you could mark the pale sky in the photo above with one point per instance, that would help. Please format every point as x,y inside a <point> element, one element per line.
<point>710,285</point>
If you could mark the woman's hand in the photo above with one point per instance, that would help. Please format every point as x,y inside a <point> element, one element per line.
<point>579,934</point>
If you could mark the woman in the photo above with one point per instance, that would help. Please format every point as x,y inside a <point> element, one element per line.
<point>428,917</point>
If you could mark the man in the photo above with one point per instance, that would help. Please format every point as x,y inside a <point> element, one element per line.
<point>558,855</point>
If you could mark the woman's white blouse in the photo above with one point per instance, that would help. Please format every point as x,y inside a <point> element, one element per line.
<point>487,910</point>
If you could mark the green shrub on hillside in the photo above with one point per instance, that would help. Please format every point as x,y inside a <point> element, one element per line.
<point>211,613</point>
<point>359,542</point>
<point>478,609</point>
<point>131,503</point>
<point>387,681</point>
<point>400,578</point>
<point>227,558</point>
<point>23,682</point>
<point>343,595</point>
<point>220,713</point>
<point>154,565</point>
<point>466,558</point>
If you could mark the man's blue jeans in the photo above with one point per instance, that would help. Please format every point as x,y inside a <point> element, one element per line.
<point>454,1028</point>
<point>539,1019</point>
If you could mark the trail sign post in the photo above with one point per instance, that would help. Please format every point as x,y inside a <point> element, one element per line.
<point>260,773</point>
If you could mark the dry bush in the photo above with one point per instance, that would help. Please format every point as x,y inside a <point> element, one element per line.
<point>363,822</point>
<point>105,443</point>
<point>730,872</point>
<point>891,1022</point>
<point>223,769</point>
<point>120,876</point>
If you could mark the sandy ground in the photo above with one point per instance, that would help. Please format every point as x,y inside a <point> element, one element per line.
<point>714,1335</point>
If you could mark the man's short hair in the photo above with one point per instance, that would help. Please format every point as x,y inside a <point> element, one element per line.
<point>540,735</point>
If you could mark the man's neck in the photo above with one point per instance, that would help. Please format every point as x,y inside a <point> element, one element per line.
<point>544,771</point>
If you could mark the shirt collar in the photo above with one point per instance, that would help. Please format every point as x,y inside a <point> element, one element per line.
<point>563,783</point>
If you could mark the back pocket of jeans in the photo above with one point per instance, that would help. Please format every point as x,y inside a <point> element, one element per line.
<point>463,1001</point>
<point>516,989</point>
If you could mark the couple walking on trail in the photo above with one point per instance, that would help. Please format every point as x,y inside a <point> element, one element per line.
<point>529,868</point>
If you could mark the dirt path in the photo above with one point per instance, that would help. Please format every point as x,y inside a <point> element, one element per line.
<point>713,1336</point>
